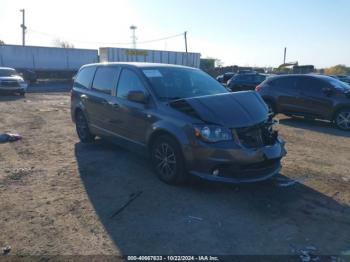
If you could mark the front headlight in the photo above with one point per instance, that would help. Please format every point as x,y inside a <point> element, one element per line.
<point>22,83</point>
<point>212,133</point>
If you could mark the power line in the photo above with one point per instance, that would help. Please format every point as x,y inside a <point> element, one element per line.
<point>106,43</point>
<point>160,39</point>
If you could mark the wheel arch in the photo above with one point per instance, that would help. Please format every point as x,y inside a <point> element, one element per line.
<point>337,109</point>
<point>273,102</point>
<point>158,133</point>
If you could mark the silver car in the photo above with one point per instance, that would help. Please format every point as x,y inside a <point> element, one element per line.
<point>11,81</point>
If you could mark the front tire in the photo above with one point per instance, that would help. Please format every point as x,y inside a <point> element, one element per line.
<point>168,161</point>
<point>342,119</point>
<point>82,128</point>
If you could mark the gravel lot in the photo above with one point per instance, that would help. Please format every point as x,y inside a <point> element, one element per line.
<point>62,197</point>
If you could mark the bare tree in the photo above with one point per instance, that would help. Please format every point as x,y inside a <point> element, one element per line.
<point>2,42</point>
<point>64,44</point>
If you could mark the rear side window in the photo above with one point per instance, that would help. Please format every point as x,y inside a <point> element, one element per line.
<point>129,81</point>
<point>259,78</point>
<point>105,79</point>
<point>242,77</point>
<point>84,77</point>
<point>286,83</point>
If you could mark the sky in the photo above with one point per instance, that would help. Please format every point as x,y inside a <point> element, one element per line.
<point>238,32</point>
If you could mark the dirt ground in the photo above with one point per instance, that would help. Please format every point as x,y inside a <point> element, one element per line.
<point>60,197</point>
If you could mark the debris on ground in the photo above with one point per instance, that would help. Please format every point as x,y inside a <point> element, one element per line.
<point>193,218</point>
<point>6,250</point>
<point>8,137</point>
<point>308,254</point>
<point>132,197</point>
<point>287,182</point>
<point>19,173</point>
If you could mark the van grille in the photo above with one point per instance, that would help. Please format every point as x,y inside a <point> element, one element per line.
<point>9,83</point>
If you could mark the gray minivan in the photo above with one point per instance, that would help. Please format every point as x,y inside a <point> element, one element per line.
<point>187,121</point>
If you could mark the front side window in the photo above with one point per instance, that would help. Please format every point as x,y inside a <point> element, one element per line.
<point>311,85</point>
<point>8,72</point>
<point>85,77</point>
<point>129,81</point>
<point>105,79</point>
<point>171,83</point>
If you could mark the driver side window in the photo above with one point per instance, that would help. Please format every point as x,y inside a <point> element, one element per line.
<point>129,81</point>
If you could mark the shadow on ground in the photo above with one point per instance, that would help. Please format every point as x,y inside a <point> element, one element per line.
<point>4,97</point>
<point>50,86</point>
<point>314,125</point>
<point>203,217</point>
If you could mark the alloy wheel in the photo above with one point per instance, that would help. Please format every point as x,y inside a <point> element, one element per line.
<point>343,119</point>
<point>165,160</point>
<point>82,128</point>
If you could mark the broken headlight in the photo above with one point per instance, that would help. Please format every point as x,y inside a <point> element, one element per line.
<point>212,133</point>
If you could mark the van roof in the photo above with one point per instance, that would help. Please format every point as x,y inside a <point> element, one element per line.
<point>138,64</point>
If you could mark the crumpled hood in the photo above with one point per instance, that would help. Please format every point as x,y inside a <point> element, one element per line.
<point>239,109</point>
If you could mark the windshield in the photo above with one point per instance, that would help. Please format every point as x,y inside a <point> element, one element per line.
<point>8,72</point>
<point>171,83</point>
<point>339,84</point>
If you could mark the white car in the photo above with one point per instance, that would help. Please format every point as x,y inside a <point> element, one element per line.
<point>11,81</point>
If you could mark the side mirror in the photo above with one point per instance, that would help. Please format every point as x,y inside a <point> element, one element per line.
<point>138,97</point>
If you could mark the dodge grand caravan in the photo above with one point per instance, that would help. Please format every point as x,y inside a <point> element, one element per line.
<point>178,115</point>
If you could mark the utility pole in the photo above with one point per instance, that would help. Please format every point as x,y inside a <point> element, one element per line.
<point>185,35</point>
<point>285,53</point>
<point>23,25</point>
<point>133,37</point>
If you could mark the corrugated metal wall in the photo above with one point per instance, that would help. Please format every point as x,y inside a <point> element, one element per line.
<point>52,58</point>
<point>109,54</point>
<point>46,58</point>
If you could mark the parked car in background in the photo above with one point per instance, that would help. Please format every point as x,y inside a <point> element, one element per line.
<point>11,81</point>
<point>28,75</point>
<point>311,96</point>
<point>225,77</point>
<point>247,81</point>
<point>246,71</point>
<point>343,78</point>
<point>178,115</point>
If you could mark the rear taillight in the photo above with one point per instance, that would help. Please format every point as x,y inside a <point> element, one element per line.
<point>258,88</point>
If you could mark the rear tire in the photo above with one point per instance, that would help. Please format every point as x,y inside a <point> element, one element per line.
<point>168,161</point>
<point>82,128</point>
<point>342,119</point>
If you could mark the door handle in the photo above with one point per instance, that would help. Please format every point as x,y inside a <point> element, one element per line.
<point>114,105</point>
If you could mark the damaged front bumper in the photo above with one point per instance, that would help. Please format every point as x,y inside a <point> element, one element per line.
<point>232,163</point>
